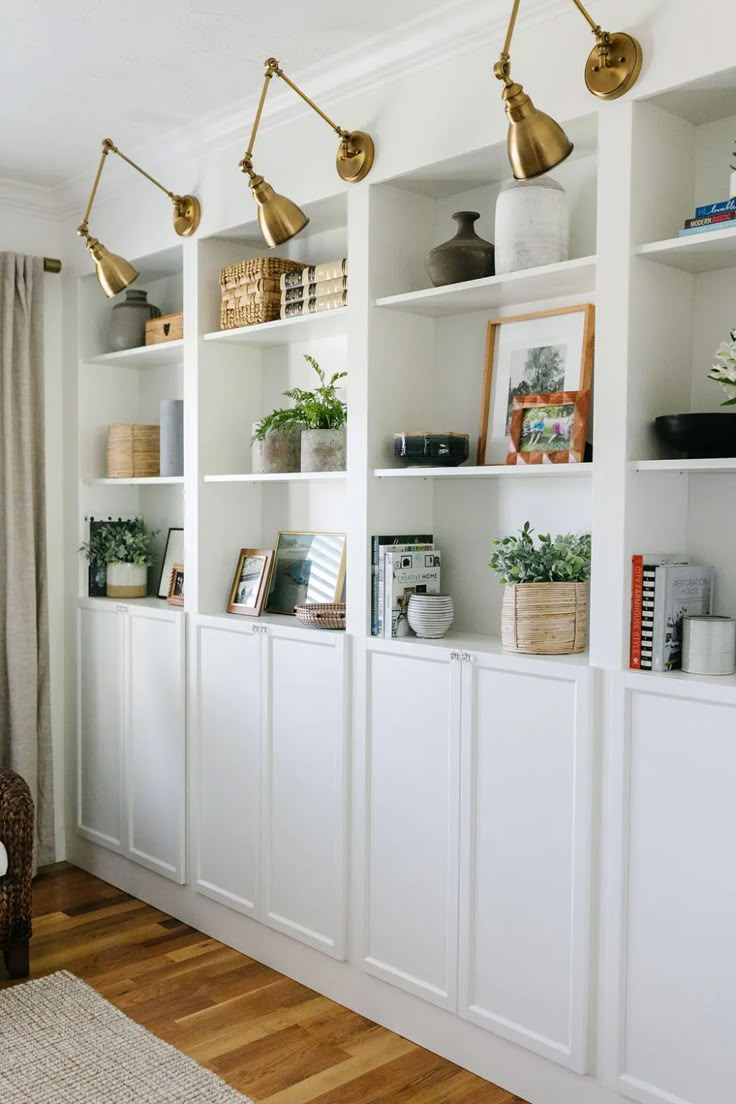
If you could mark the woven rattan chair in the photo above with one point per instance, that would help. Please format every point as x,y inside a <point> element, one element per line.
<point>16,834</point>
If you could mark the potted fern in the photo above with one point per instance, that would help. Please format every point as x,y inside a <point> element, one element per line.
<point>545,602</point>
<point>126,550</point>
<point>276,442</point>
<point>323,415</point>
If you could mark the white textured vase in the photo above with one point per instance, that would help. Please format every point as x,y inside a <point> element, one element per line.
<point>126,580</point>
<point>732,186</point>
<point>532,224</point>
<point>430,615</point>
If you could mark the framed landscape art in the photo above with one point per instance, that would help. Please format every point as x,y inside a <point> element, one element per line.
<point>549,429</point>
<point>531,354</point>
<point>308,567</point>
<point>250,585</point>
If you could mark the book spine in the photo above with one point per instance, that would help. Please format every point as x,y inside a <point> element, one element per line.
<point>313,274</point>
<point>710,220</point>
<point>648,583</point>
<point>660,619</point>
<point>314,306</point>
<point>716,208</point>
<point>374,586</point>
<point>637,579</point>
<point>314,291</point>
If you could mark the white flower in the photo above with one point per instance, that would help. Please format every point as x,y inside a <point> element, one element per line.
<point>724,368</point>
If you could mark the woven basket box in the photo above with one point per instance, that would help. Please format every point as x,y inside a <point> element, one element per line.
<point>251,290</point>
<point>169,327</point>
<point>545,618</point>
<point>132,451</point>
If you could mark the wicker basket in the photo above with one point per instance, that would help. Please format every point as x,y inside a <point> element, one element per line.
<point>251,290</point>
<point>321,615</point>
<point>132,451</point>
<point>545,618</point>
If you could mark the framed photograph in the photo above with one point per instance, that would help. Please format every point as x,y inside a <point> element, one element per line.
<point>175,596</point>
<point>531,354</point>
<point>549,429</point>
<point>250,585</point>
<point>173,554</point>
<point>308,567</point>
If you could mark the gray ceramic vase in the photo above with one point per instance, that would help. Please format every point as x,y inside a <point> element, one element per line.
<point>323,450</point>
<point>278,452</point>
<point>128,321</point>
<point>464,257</point>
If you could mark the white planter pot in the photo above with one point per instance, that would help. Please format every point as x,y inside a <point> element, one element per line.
<point>126,580</point>
<point>732,186</point>
<point>323,450</point>
<point>532,224</point>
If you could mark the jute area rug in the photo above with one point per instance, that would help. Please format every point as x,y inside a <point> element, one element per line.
<point>61,1043</point>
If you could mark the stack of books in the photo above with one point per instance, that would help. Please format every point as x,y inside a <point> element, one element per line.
<point>664,588</point>
<point>714,216</point>
<point>401,565</point>
<point>314,288</point>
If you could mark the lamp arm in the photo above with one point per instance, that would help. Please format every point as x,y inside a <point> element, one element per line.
<point>82,228</point>
<point>502,68</point>
<point>114,149</point>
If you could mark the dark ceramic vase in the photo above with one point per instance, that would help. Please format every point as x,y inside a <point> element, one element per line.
<point>699,436</point>
<point>464,257</point>
<point>128,320</point>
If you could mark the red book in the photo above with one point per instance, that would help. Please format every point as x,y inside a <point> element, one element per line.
<point>639,563</point>
<point>637,580</point>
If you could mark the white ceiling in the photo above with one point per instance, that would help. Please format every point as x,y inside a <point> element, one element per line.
<point>76,71</point>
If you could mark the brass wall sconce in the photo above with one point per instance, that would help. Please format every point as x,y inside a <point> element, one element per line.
<point>113,272</point>
<point>278,218</point>
<point>536,143</point>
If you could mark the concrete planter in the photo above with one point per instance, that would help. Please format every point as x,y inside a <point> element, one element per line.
<point>323,450</point>
<point>532,224</point>
<point>126,580</point>
<point>278,452</point>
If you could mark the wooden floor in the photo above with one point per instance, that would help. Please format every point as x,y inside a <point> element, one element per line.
<point>267,1036</point>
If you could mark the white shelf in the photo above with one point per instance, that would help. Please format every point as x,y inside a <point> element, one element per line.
<point>286,331</point>
<point>576,277</point>
<point>680,684</point>
<point>694,253</point>
<point>151,602</point>
<point>704,466</point>
<point>280,477</point>
<point>147,356</point>
<point>141,481</point>
<point>489,471</point>
<point>477,642</point>
<point>265,621</point>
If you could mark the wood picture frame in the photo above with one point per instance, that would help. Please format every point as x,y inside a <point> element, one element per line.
<point>293,581</point>
<point>175,596</point>
<point>542,351</point>
<point>559,418</point>
<point>250,583</point>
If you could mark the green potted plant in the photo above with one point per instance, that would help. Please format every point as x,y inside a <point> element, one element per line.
<point>545,602</point>
<point>276,442</point>
<point>323,415</point>
<point>125,549</point>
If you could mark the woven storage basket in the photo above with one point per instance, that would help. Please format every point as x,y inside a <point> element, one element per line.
<point>132,451</point>
<point>545,618</point>
<point>321,615</point>
<point>251,290</point>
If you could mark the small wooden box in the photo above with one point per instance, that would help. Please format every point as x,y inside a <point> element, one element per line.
<point>132,451</point>
<point>169,327</point>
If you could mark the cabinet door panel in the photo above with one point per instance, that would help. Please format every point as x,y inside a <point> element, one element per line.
<point>525,883</point>
<point>305,790</point>
<point>100,737</point>
<point>155,740</point>
<point>679,969</point>
<point>411,822</point>
<point>227,766</point>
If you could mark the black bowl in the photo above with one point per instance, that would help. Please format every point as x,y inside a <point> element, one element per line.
<point>699,436</point>
<point>431,450</point>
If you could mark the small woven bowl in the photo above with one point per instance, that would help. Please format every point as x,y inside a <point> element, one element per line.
<point>321,615</point>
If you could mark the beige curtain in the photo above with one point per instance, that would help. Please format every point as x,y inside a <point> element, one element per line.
<point>25,722</point>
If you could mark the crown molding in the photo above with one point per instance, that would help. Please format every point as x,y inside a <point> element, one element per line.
<point>29,199</point>
<point>454,29</point>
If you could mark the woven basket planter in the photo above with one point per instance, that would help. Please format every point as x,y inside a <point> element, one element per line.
<point>251,290</point>
<point>133,451</point>
<point>545,618</point>
<point>321,615</point>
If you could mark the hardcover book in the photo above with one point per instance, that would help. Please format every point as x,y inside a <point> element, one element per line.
<point>311,291</point>
<point>380,545</point>
<point>312,274</point>
<point>716,208</point>
<point>686,232</point>
<point>679,589</point>
<point>407,573</point>
<point>710,220</point>
<point>314,305</point>
<point>643,576</point>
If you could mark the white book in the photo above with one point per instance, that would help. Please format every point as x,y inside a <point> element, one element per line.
<point>680,589</point>
<point>407,573</point>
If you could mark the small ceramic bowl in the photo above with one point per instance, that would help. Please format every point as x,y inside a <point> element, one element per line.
<point>431,450</point>
<point>430,615</point>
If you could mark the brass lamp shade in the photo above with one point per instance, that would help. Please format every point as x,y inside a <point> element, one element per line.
<point>536,143</point>
<point>278,218</point>
<point>114,273</point>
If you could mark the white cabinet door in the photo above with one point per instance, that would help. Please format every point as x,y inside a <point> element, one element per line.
<point>678,969</point>
<point>226,763</point>
<point>525,893</point>
<point>155,741</point>
<point>100,733</point>
<point>410,848</point>
<point>305,787</point>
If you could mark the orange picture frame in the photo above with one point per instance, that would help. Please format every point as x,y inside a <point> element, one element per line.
<point>557,419</point>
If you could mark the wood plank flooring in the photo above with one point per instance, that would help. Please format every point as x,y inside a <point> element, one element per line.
<point>266,1035</point>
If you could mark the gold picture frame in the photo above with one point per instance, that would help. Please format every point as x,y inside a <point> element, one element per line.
<point>308,567</point>
<point>250,583</point>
